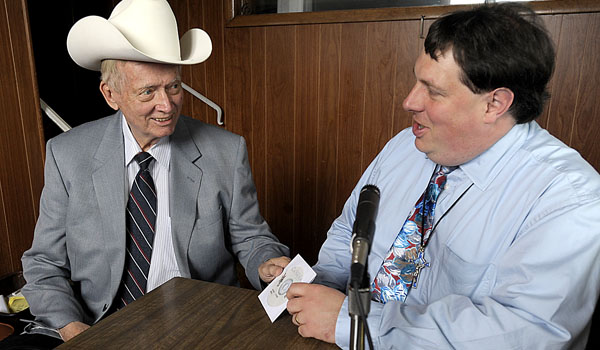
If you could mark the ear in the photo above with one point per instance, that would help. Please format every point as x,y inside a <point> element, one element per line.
<point>498,103</point>
<point>109,95</point>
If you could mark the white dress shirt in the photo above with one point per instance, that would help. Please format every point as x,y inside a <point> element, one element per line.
<point>163,264</point>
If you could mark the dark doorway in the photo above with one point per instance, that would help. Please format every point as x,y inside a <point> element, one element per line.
<point>68,89</point>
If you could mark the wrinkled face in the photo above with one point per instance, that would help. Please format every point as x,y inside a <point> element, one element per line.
<point>448,119</point>
<point>150,97</point>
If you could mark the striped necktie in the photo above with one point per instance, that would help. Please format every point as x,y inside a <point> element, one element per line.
<point>140,224</point>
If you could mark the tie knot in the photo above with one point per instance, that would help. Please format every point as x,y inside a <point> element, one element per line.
<point>143,159</point>
<point>439,176</point>
<point>445,170</point>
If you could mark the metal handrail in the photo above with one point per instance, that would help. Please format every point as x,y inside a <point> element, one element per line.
<point>54,116</point>
<point>207,101</point>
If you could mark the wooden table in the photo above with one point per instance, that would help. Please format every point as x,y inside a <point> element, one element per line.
<point>191,314</point>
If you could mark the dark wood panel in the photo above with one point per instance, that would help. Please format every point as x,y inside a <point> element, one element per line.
<point>380,90</point>
<point>243,121</point>
<point>181,7</point>
<point>28,101</point>
<point>5,251</point>
<point>200,110</point>
<point>257,114</point>
<point>566,78</point>
<point>553,24</point>
<point>10,146</point>
<point>279,101</point>
<point>32,130</point>
<point>327,135</point>
<point>305,141</point>
<point>408,49</point>
<point>21,141</point>
<point>350,125</point>
<point>215,73</point>
<point>586,119</point>
<point>237,78</point>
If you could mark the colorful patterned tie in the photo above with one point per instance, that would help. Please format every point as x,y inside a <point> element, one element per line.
<point>405,258</point>
<point>140,222</point>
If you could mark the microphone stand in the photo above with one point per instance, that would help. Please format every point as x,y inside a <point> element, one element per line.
<point>359,302</point>
<point>359,292</point>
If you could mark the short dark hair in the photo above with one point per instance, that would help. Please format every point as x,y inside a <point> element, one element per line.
<point>499,45</point>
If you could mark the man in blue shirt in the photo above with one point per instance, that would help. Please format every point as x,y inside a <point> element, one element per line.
<point>509,255</point>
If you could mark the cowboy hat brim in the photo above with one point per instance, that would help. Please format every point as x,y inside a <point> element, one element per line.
<point>93,39</point>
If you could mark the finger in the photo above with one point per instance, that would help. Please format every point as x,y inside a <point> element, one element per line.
<point>282,261</point>
<point>268,272</point>
<point>293,306</point>
<point>297,289</point>
<point>302,331</point>
<point>262,273</point>
<point>274,270</point>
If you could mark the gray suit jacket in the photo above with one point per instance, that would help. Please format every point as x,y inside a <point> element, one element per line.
<point>74,266</point>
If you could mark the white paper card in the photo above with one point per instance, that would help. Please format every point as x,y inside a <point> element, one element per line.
<point>273,298</point>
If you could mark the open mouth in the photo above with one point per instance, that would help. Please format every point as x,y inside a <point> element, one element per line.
<point>163,119</point>
<point>418,129</point>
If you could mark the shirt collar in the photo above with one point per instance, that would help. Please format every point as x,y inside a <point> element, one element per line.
<point>161,151</point>
<point>483,169</point>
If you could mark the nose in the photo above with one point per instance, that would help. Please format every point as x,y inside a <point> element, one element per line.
<point>164,102</point>
<point>412,102</point>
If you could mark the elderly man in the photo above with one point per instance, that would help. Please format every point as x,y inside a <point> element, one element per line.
<point>501,249</point>
<point>142,196</point>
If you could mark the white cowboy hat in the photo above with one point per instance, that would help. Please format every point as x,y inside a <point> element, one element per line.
<point>137,30</point>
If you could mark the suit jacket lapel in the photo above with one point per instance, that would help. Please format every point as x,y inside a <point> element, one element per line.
<point>185,178</point>
<point>109,184</point>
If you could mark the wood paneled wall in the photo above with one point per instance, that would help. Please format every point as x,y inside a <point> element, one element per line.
<point>573,113</point>
<point>316,102</point>
<point>331,102</point>
<point>21,146</point>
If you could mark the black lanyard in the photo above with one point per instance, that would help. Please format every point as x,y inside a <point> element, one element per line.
<point>425,215</point>
<point>422,263</point>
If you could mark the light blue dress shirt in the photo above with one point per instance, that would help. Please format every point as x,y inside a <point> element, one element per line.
<point>514,265</point>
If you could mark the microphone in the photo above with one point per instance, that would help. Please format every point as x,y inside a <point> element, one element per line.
<point>362,231</point>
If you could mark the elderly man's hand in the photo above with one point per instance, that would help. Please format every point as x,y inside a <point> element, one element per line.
<point>315,310</point>
<point>71,330</point>
<point>272,268</point>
